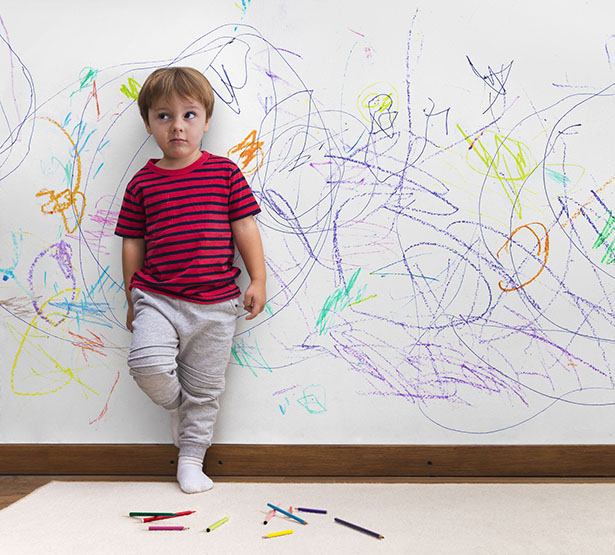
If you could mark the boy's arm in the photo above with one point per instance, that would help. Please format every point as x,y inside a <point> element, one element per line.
<point>133,255</point>
<point>248,241</point>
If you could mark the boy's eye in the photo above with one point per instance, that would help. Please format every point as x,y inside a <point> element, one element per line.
<point>162,116</point>
<point>190,115</point>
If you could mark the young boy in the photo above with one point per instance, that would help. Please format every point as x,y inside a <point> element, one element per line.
<point>180,219</point>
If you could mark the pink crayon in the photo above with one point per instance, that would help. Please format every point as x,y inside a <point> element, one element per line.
<point>269,516</point>
<point>167,528</point>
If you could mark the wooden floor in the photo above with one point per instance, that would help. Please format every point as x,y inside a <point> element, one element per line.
<point>14,487</point>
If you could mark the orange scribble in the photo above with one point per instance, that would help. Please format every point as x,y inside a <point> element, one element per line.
<point>68,199</point>
<point>250,152</point>
<point>541,249</point>
<point>578,212</point>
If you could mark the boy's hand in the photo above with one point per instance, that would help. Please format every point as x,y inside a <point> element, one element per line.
<point>248,241</point>
<point>255,299</point>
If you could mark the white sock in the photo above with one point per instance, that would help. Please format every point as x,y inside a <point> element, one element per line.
<point>175,426</point>
<point>190,475</point>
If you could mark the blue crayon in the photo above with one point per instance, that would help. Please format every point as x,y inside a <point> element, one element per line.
<point>291,515</point>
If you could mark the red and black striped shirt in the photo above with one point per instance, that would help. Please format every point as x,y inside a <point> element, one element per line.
<point>185,218</point>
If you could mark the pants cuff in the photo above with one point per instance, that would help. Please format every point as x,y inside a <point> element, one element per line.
<point>192,450</point>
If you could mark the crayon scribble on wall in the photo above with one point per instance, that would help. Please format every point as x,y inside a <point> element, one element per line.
<point>455,257</point>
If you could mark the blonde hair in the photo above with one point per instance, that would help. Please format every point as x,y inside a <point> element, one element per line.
<point>185,82</point>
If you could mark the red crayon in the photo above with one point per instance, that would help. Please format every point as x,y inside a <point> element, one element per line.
<point>153,518</point>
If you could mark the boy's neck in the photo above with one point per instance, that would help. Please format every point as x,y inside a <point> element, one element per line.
<point>172,164</point>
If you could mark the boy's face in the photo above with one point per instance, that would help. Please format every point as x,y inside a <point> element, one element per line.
<point>177,125</point>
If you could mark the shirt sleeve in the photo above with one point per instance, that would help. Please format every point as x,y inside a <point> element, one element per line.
<point>131,221</point>
<point>241,200</point>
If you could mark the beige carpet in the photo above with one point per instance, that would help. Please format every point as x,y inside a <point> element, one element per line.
<point>92,518</point>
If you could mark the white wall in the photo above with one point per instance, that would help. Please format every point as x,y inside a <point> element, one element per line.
<point>439,262</point>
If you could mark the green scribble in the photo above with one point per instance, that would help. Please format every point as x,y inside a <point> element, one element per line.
<point>132,90</point>
<point>249,356</point>
<point>340,300</point>
<point>605,234</point>
<point>86,78</point>
<point>67,168</point>
<point>557,176</point>
<point>314,399</point>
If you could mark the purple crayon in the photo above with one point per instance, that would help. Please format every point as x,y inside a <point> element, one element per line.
<point>306,510</point>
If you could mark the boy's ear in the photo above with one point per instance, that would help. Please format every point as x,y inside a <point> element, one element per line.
<point>147,127</point>
<point>206,126</point>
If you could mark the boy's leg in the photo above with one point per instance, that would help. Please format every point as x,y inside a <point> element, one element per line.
<point>206,335</point>
<point>153,351</point>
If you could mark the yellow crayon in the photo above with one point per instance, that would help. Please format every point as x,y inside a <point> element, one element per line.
<point>276,534</point>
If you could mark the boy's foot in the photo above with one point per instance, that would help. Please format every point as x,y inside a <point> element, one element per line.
<point>190,475</point>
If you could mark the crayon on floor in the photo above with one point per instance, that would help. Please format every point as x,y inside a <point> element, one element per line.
<point>278,534</point>
<point>164,517</point>
<point>306,510</point>
<point>359,528</point>
<point>139,513</point>
<point>216,524</point>
<point>286,513</point>
<point>269,516</point>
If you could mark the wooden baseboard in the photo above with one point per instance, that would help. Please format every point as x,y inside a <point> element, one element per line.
<point>316,460</point>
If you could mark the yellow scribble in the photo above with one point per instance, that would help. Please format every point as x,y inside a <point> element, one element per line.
<point>131,90</point>
<point>377,98</point>
<point>59,375</point>
<point>511,163</point>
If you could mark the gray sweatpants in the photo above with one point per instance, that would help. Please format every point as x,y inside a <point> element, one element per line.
<point>178,356</point>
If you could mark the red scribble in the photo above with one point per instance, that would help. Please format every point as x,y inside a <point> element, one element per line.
<point>106,407</point>
<point>86,344</point>
<point>95,97</point>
